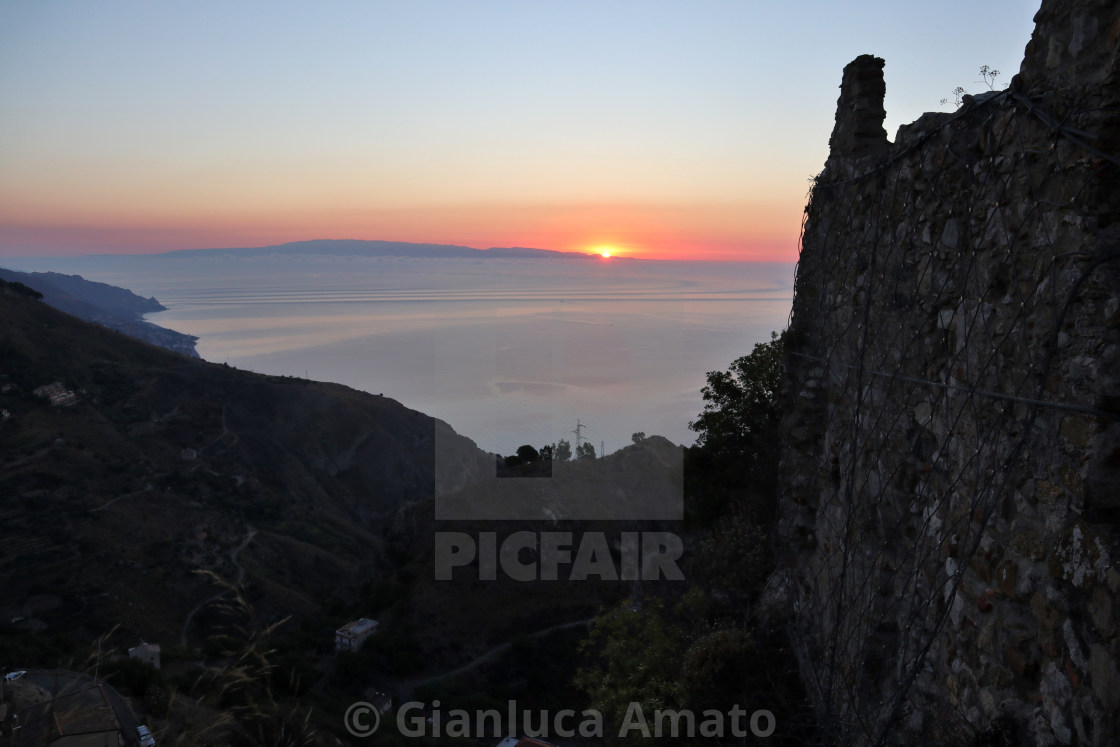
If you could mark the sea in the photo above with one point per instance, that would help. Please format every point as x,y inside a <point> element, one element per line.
<point>508,351</point>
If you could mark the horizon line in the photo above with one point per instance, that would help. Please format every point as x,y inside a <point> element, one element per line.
<point>290,245</point>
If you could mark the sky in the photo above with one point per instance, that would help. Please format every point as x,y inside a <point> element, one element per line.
<point>672,130</point>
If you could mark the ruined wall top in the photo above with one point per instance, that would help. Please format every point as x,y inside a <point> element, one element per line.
<point>1070,72</point>
<point>858,135</point>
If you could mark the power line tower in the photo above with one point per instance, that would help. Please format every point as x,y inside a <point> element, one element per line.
<point>579,432</point>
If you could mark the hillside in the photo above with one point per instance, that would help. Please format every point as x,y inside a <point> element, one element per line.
<point>141,466</point>
<point>104,304</point>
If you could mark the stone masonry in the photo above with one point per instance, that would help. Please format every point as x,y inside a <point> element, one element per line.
<point>950,500</point>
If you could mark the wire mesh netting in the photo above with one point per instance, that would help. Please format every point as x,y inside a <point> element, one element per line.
<point>953,344</point>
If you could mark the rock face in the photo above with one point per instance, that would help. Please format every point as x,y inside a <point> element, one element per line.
<point>950,504</point>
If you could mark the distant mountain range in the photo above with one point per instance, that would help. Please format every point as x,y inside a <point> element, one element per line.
<point>362,248</point>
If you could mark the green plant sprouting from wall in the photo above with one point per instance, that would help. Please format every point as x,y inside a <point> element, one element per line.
<point>988,77</point>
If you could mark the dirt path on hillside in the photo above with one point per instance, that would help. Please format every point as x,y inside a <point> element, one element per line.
<point>104,506</point>
<point>240,579</point>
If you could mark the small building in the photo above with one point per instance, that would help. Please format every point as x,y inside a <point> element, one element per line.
<point>352,635</point>
<point>147,652</point>
<point>85,717</point>
<point>57,394</point>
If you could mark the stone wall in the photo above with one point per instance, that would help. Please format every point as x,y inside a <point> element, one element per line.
<point>950,508</point>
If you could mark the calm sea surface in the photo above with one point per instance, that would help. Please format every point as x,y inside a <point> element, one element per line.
<point>508,351</point>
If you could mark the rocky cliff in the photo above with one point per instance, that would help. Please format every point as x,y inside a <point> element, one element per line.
<point>950,500</point>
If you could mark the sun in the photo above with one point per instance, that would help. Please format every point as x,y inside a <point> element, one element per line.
<point>604,251</point>
<point>605,254</point>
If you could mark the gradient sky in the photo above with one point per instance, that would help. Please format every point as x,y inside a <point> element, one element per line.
<point>664,129</point>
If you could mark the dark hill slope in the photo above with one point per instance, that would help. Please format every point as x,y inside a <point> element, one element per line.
<point>160,464</point>
<point>107,305</point>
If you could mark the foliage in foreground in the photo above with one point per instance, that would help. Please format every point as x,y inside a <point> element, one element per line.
<point>251,705</point>
<point>735,459</point>
<point>709,649</point>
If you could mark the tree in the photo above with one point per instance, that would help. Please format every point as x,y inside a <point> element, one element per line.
<point>563,451</point>
<point>585,451</point>
<point>719,670</point>
<point>633,655</point>
<point>741,404</point>
<point>546,452</point>
<point>736,450</point>
<point>528,454</point>
<point>734,560</point>
<point>638,437</point>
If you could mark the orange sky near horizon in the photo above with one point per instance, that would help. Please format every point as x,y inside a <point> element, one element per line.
<point>713,232</point>
<point>666,130</point>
